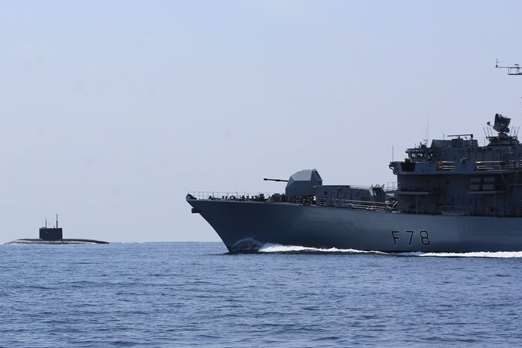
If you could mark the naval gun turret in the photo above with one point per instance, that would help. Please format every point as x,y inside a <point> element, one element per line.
<point>303,183</point>
<point>307,186</point>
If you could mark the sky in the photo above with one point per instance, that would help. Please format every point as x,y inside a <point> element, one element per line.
<point>111,111</point>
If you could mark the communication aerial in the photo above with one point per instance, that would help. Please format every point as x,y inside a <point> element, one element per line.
<point>514,69</point>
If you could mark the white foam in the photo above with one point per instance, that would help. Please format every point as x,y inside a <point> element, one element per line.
<point>277,248</point>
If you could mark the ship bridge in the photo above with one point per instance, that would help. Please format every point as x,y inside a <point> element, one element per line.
<point>457,175</point>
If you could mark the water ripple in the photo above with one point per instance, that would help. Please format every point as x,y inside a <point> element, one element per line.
<point>195,294</point>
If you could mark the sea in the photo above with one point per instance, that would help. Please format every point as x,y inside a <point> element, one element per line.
<point>198,295</point>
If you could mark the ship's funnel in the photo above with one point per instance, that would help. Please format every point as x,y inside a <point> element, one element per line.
<point>303,183</point>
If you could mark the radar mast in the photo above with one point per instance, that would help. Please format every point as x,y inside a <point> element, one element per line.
<point>514,69</point>
<point>501,123</point>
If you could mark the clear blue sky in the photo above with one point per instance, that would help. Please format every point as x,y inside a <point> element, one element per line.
<point>112,110</point>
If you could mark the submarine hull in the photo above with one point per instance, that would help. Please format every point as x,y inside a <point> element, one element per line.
<point>245,226</point>
<point>57,241</point>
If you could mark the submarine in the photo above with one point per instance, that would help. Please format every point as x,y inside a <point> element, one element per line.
<point>452,195</point>
<point>54,235</point>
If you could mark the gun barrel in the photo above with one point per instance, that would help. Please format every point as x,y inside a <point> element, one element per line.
<point>276,180</point>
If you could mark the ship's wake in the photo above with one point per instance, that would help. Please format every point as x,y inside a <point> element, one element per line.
<point>295,249</point>
<point>490,254</point>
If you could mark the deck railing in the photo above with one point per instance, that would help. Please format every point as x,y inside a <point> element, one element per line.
<point>237,195</point>
<point>262,197</point>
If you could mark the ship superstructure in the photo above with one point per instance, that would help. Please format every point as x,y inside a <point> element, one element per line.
<point>457,176</point>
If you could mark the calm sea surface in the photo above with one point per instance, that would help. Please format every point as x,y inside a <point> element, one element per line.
<point>194,294</point>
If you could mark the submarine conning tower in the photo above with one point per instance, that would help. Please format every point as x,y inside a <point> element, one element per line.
<point>51,233</point>
<point>456,176</point>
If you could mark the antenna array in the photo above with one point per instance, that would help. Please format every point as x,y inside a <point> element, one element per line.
<point>514,69</point>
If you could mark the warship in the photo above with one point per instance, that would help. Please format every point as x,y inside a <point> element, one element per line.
<point>54,235</point>
<point>452,195</point>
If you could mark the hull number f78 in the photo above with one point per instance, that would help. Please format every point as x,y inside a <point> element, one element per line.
<point>411,236</point>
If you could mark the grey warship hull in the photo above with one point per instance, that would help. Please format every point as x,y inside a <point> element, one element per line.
<point>245,226</point>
